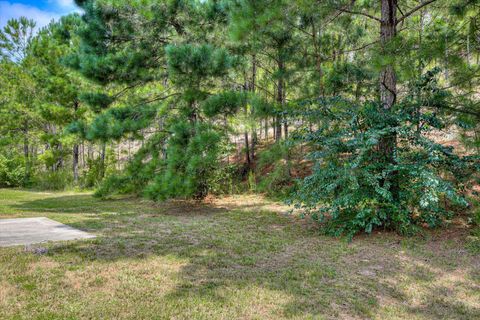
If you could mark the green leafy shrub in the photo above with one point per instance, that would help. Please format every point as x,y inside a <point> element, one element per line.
<point>114,184</point>
<point>53,180</point>
<point>97,170</point>
<point>274,170</point>
<point>12,170</point>
<point>93,173</point>
<point>351,186</point>
<point>226,179</point>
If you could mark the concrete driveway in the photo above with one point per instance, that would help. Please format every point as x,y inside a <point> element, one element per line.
<point>25,231</point>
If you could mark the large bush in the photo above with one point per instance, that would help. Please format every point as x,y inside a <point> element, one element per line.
<point>351,186</point>
<point>192,156</point>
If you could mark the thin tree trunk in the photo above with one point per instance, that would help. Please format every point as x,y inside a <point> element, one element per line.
<point>280,101</point>
<point>318,60</point>
<point>247,149</point>
<point>76,151</point>
<point>278,128</point>
<point>285,121</point>
<point>60,158</point>
<point>252,89</point>
<point>26,152</point>
<point>274,128</point>
<point>82,155</point>
<point>253,144</point>
<point>75,162</point>
<point>102,159</point>
<point>388,88</point>
<point>266,129</point>
<point>446,58</point>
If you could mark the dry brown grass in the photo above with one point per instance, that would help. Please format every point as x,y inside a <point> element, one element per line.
<point>238,257</point>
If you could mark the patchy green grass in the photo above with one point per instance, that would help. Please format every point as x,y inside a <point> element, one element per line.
<point>233,258</point>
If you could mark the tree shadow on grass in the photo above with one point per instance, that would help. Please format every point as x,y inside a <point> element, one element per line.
<point>87,204</point>
<point>234,252</point>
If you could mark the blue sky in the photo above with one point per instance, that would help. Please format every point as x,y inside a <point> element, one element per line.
<point>40,11</point>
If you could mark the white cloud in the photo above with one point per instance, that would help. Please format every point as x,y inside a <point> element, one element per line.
<point>16,10</point>
<point>65,3</point>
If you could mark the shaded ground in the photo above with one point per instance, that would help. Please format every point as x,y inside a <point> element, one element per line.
<point>235,258</point>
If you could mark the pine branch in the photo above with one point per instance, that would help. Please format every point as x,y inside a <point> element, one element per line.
<point>409,13</point>
<point>473,113</point>
<point>360,13</point>
<point>124,90</point>
<point>266,91</point>
<point>158,98</point>
<point>360,48</point>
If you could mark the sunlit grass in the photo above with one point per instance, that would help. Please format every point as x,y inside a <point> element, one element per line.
<point>234,258</point>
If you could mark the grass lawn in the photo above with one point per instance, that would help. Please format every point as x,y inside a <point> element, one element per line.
<point>233,258</point>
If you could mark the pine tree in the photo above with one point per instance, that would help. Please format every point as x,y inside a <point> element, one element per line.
<point>266,26</point>
<point>62,88</point>
<point>19,114</point>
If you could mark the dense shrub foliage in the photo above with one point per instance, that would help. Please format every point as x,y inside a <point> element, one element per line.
<point>353,188</point>
<point>12,170</point>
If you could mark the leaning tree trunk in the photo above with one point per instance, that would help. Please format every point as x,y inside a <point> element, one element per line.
<point>388,87</point>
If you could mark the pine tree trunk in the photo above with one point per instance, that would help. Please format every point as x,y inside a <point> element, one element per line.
<point>253,144</point>
<point>26,153</point>
<point>252,89</point>
<point>75,162</point>
<point>83,155</point>
<point>76,148</point>
<point>266,129</point>
<point>278,128</point>
<point>247,146</point>
<point>247,149</point>
<point>388,87</point>
<point>102,159</point>
<point>318,60</point>
<point>284,118</point>
<point>60,158</point>
<point>280,100</point>
<point>274,128</point>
